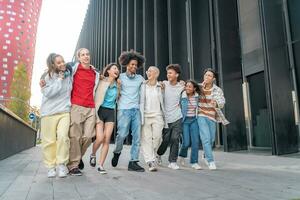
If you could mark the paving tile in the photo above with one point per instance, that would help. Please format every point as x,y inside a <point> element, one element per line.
<point>239,176</point>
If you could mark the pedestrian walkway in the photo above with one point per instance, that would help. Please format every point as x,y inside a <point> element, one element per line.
<point>239,176</point>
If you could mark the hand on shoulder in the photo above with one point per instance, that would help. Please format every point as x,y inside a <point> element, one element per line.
<point>42,83</point>
<point>182,83</point>
<point>162,85</point>
<point>119,82</point>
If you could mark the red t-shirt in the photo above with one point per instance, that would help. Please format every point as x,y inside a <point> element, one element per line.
<point>83,87</point>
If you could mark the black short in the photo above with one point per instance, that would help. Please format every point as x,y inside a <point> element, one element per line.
<point>106,114</point>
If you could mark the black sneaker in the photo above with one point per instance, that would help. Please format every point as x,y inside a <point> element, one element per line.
<point>115,159</point>
<point>81,165</point>
<point>101,170</point>
<point>92,160</point>
<point>75,172</point>
<point>134,166</point>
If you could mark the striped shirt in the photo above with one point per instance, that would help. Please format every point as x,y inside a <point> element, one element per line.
<point>206,108</point>
<point>192,106</point>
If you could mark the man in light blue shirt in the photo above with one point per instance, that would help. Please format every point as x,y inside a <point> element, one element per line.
<point>130,90</point>
<point>128,109</point>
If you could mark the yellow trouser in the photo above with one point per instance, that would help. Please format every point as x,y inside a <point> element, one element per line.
<point>55,139</point>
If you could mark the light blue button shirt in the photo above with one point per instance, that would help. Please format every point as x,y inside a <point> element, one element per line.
<point>110,97</point>
<point>130,91</point>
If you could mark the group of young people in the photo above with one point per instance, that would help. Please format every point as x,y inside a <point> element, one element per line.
<point>80,103</point>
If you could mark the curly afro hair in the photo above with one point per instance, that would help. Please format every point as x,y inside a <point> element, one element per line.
<point>127,56</point>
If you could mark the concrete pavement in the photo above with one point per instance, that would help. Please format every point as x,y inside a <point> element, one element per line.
<point>239,176</point>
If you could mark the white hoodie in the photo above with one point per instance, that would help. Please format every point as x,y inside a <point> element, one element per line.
<point>56,95</point>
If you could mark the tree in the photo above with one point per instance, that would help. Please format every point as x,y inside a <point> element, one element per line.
<point>20,92</point>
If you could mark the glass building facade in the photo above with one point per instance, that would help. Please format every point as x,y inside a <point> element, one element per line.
<point>254,46</point>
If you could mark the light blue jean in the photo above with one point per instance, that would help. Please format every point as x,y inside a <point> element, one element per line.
<point>190,137</point>
<point>207,130</point>
<point>129,118</point>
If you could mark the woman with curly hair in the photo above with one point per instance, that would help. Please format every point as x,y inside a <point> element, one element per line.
<point>128,109</point>
<point>189,102</point>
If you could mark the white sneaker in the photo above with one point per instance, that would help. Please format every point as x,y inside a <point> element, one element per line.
<point>196,166</point>
<point>212,166</point>
<point>51,173</point>
<point>101,170</point>
<point>158,160</point>
<point>62,171</point>
<point>206,162</point>
<point>152,167</point>
<point>203,156</point>
<point>181,160</point>
<point>173,165</point>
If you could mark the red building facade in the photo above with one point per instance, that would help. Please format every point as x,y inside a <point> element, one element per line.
<point>18,27</point>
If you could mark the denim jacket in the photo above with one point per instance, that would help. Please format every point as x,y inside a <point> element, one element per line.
<point>184,104</point>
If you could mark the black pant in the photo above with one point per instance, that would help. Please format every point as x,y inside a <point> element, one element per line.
<point>171,136</point>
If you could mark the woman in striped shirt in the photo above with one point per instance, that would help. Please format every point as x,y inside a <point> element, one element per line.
<point>210,102</point>
<point>189,106</point>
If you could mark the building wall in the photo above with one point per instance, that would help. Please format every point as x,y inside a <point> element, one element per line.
<point>233,36</point>
<point>19,20</point>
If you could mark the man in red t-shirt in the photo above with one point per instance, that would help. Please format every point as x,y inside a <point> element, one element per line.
<point>83,115</point>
